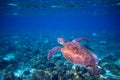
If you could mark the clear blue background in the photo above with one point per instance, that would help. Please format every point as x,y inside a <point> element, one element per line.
<point>91,18</point>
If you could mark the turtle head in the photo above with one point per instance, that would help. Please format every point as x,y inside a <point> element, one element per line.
<point>61,41</point>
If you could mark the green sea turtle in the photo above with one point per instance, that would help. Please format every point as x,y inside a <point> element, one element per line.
<point>77,54</point>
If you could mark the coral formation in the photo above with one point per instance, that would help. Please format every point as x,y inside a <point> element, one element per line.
<point>24,57</point>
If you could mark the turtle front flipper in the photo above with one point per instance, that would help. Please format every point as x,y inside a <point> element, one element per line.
<point>80,39</point>
<point>52,51</point>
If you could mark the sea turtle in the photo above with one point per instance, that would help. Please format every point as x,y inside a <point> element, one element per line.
<point>77,54</point>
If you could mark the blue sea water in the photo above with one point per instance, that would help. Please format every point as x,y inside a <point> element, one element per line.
<point>29,29</point>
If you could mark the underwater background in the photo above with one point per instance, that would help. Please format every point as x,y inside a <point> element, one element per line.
<point>30,28</point>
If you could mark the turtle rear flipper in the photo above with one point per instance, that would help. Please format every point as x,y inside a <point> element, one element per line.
<point>94,70</point>
<point>52,51</point>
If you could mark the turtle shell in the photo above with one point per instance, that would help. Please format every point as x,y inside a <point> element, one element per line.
<point>77,54</point>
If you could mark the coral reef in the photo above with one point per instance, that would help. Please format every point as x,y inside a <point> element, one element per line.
<point>24,57</point>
